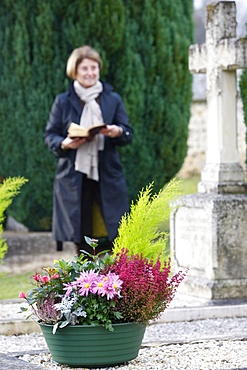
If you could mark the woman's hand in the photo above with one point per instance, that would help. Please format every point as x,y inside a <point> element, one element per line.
<point>70,143</point>
<point>112,131</point>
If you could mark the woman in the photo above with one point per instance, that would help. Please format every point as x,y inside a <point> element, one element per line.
<point>88,170</point>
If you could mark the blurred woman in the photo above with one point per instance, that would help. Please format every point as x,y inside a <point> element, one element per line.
<point>88,169</point>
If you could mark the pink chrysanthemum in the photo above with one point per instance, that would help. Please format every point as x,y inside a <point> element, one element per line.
<point>107,285</point>
<point>86,282</point>
<point>68,288</point>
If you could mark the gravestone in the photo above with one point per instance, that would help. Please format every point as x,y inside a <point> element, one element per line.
<point>209,229</point>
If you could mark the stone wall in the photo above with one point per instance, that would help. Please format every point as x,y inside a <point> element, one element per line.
<point>195,159</point>
<point>31,252</point>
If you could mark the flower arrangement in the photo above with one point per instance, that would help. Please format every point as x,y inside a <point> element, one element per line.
<point>133,284</point>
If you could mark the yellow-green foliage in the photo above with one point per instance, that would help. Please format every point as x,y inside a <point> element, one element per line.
<point>8,189</point>
<point>139,231</point>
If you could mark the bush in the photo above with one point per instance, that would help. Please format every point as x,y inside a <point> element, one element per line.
<point>9,188</point>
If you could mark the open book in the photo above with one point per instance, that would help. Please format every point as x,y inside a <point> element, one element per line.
<point>76,130</point>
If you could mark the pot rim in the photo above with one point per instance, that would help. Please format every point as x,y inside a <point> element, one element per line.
<point>95,326</point>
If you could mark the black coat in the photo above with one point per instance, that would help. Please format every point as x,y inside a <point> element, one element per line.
<point>68,182</point>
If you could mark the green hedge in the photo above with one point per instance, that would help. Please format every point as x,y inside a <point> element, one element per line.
<point>144,45</point>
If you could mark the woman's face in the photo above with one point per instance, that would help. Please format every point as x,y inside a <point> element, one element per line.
<point>87,73</point>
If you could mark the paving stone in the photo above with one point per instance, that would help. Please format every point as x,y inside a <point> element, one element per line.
<point>12,363</point>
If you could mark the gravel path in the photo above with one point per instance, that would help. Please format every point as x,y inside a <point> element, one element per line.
<point>211,355</point>
<point>197,345</point>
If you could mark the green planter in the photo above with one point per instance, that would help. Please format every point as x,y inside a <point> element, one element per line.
<point>94,346</point>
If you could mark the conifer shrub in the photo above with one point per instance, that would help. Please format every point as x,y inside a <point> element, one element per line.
<point>139,231</point>
<point>9,188</point>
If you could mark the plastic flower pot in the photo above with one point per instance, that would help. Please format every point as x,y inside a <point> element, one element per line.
<point>94,346</point>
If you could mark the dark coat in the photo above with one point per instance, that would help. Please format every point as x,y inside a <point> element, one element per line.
<point>68,182</point>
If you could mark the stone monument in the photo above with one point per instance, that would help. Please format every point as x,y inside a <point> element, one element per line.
<point>209,229</point>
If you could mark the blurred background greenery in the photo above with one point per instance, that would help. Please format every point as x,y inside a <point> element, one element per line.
<point>144,47</point>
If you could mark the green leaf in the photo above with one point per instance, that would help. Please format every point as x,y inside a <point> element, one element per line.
<point>54,329</point>
<point>23,309</point>
<point>117,315</point>
<point>63,324</point>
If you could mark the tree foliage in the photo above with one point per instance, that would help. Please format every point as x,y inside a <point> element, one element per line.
<point>144,46</point>
<point>154,80</point>
<point>9,188</point>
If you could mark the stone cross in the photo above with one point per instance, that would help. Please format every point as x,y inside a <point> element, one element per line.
<point>219,58</point>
